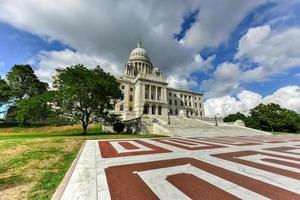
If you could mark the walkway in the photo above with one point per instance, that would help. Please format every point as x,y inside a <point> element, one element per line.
<point>241,167</point>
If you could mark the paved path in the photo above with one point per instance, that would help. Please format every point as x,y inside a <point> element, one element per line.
<point>254,167</point>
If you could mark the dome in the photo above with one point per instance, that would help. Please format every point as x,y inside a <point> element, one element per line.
<point>139,53</point>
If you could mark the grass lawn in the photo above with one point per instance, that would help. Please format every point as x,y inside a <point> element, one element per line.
<point>33,161</point>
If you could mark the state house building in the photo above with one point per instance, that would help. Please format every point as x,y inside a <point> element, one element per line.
<point>146,91</point>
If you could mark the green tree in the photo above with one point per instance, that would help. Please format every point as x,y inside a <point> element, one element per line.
<point>86,95</point>
<point>33,110</point>
<point>5,92</point>
<point>24,83</point>
<point>234,117</point>
<point>273,118</point>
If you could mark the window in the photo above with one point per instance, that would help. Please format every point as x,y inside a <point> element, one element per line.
<point>181,103</point>
<point>131,89</point>
<point>185,103</point>
<point>200,105</point>
<point>175,102</point>
<point>122,87</point>
<point>130,98</point>
<point>170,102</point>
<point>171,111</point>
<point>130,108</point>
<point>159,110</point>
<point>199,98</point>
<point>174,95</point>
<point>176,112</point>
<point>153,109</point>
<point>121,107</point>
<point>190,104</point>
<point>146,109</point>
<point>196,113</point>
<point>169,94</point>
<point>181,95</point>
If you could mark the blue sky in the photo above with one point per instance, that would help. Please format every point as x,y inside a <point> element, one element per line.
<point>49,35</point>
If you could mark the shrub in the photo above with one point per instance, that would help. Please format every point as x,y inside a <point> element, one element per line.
<point>119,127</point>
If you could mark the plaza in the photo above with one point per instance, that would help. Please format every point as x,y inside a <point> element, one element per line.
<point>232,167</point>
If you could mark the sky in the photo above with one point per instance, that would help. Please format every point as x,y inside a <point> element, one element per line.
<point>239,53</point>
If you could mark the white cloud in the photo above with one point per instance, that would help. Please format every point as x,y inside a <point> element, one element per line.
<point>217,20</point>
<point>273,52</point>
<point>109,29</point>
<point>288,97</point>
<point>225,80</point>
<point>47,61</point>
<point>297,75</point>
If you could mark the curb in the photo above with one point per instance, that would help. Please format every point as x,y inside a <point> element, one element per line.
<point>62,186</point>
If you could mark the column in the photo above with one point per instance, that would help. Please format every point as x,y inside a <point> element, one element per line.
<point>165,94</point>
<point>156,93</point>
<point>149,91</point>
<point>150,109</point>
<point>143,91</point>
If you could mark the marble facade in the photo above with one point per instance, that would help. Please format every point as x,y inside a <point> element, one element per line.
<point>146,91</point>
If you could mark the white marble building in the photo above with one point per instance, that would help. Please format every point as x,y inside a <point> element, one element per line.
<point>146,91</point>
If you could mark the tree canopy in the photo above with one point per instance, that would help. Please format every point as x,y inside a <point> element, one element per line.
<point>234,117</point>
<point>24,83</point>
<point>86,95</point>
<point>5,92</point>
<point>270,117</point>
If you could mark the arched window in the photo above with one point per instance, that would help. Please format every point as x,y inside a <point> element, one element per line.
<point>159,110</point>
<point>146,109</point>
<point>121,107</point>
<point>153,109</point>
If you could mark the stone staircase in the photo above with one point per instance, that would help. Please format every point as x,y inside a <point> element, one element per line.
<point>186,127</point>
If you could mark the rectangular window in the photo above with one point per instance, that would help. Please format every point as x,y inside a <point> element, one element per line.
<point>169,94</point>
<point>130,98</point>
<point>175,102</point>
<point>176,112</point>
<point>122,87</point>
<point>190,104</point>
<point>170,102</point>
<point>185,103</point>
<point>181,95</point>
<point>181,103</point>
<point>131,89</point>
<point>171,111</point>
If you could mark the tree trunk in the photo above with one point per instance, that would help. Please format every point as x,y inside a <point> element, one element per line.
<point>84,127</point>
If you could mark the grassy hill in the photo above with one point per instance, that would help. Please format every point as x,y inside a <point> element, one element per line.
<point>33,161</point>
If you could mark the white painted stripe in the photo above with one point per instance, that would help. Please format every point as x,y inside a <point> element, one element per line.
<point>120,149</point>
<point>255,173</point>
<point>156,180</point>
<point>258,159</point>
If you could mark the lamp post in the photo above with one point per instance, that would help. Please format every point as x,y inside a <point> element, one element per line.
<point>169,122</point>
<point>216,119</point>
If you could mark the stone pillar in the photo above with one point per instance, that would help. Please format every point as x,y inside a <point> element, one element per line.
<point>150,109</point>
<point>149,91</point>
<point>165,94</point>
<point>143,90</point>
<point>156,93</point>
